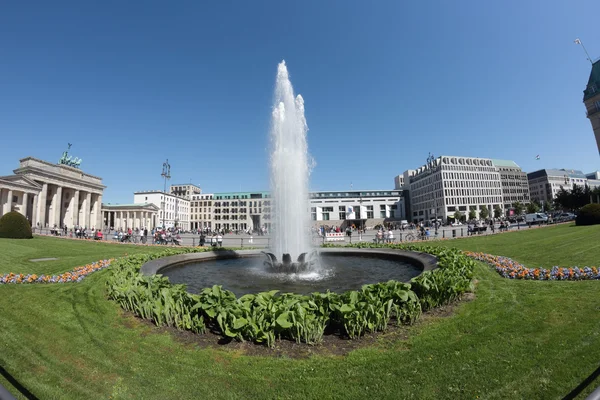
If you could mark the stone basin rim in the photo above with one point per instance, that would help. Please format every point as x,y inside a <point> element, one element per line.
<point>425,261</point>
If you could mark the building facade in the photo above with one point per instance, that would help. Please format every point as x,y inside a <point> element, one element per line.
<point>185,190</point>
<point>591,99</point>
<point>52,195</point>
<point>241,210</point>
<point>134,216</point>
<point>545,183</point>
<point>515,186</point>
<point>201,211</point>
<point>252,210</point>
<point>447,184</point>
<point>364,208</point>
<point>173,211</point>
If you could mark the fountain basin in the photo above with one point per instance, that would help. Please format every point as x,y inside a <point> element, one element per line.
<point>242,271</point>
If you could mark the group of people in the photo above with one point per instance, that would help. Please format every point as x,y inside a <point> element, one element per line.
<point>216,240</point>
<point>384,236</point>
<point>79,232</point>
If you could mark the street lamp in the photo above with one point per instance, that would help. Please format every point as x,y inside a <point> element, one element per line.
<point>166,174</point>
<point>361,220</point>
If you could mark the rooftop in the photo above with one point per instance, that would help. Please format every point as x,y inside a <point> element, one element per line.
<point>505,163</point>
<point>571,173</point>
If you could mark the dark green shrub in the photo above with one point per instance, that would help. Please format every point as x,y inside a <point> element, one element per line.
<point>588,215</point>
<point>14,226</point>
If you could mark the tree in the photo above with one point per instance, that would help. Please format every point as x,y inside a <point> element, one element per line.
<point>472,214</point>
<point>532,208</point>
<point>548,206</point>
<point>518,206</point>
<point>497,211</point>
<point>563,199</point>
<point>483,212</point>
<point>458,216</point>
<point>596,195</point>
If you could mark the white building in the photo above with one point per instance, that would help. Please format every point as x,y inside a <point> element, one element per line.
<point>50,195</point>
<point>449,183</point>
<point>185,190</point>
<point>134,216</point>
<point>545,183</point>
<point>174,211</point>
<point>252,210</point>
<point>362,208</point>
<point>201,211</point>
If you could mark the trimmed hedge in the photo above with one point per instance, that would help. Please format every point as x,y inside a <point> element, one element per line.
<point>268,316</point>
<point>588,215</point>
<point>13,225</point>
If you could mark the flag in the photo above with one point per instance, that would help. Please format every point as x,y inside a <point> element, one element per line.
<point>577,41</point>
<point>537,157</point>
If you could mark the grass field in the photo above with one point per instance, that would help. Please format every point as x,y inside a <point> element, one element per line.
<point>561,245</point>
<point>517,339</point>
<point>70,253</point>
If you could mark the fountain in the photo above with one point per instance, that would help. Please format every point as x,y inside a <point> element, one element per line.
<point>251,271</point>
<point>289,178</point>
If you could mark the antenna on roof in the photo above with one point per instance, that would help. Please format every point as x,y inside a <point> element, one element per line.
<point>578,41</point>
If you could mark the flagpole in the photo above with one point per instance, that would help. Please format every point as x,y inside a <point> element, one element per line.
<point>578,41</point>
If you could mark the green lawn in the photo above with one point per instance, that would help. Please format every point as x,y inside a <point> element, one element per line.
<point>564,245</point>
<point>517,339</point>
<point>15,254</point>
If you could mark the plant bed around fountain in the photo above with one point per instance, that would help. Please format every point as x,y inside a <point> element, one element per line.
<point>331,344</point>
<point>267,316</point>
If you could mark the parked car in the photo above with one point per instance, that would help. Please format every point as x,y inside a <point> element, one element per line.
<point>456,223</point>
<point>536,218</point>
<point>566,217</point>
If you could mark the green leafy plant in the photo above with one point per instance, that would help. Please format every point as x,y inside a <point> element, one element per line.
<point>268,316</point>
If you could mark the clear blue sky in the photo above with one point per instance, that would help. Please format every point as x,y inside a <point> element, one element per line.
<point>133,83</point>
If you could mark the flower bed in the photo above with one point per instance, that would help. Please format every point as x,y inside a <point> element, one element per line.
<point>76,275</point>
<point>513,270</point>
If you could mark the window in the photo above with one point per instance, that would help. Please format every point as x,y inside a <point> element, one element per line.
<point>326,211</point>
<point>313,213</point>
<point>382,211</point>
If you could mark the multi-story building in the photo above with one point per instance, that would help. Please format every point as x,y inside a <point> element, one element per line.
<point>591,99</point>
<point>361,208</point>
<point>201,211</point>
<point>174,211</point>
<point>545,183</point>
<point>241,210</point>
<point>447,184</point>
<point>252,210</point>
<point>515,186</point>
<point>185,190</point>
<point>399,182</point>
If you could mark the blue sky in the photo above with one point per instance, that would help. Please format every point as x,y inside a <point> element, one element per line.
<point>384,83</point>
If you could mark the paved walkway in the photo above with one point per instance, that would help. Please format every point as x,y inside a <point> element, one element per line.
<point>245,240</point>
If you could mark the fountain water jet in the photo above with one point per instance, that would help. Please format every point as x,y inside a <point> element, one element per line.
<point>289,170</point>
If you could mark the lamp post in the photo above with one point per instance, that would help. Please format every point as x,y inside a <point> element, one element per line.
<point>166,174</point>
<point>361,221</point>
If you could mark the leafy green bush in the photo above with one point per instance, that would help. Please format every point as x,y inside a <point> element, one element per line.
<point>13,225</point>
<point>268,316</point>
<point>588,215</point>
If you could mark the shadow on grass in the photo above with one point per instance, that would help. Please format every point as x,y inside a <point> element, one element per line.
<point>583,385</point>
<point>22,389</point>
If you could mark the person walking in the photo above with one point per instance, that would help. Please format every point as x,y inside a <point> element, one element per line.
<point>220,240</point>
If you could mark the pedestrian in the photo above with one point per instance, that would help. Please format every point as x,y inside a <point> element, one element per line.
<point>220,240</point>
